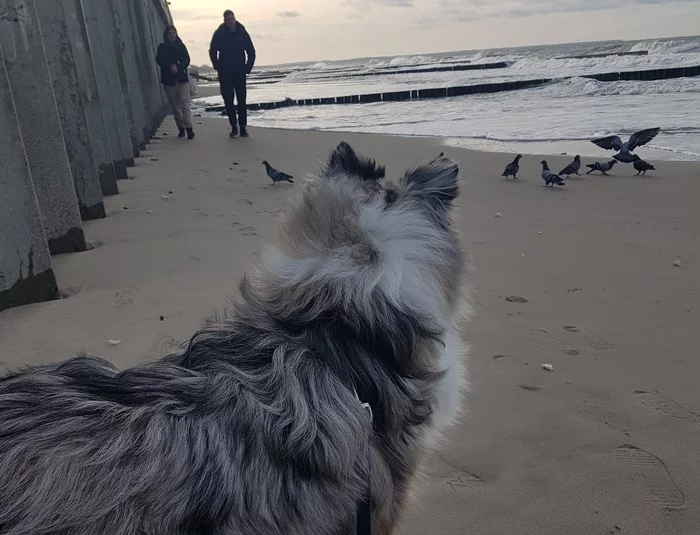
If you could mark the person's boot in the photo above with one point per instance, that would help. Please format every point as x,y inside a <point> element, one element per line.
<point>244,131</point>
<point>190,133</point>
<point>234,131</point>
<point>181,132</point>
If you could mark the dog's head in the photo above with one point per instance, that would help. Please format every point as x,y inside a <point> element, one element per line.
<point>354,238</point>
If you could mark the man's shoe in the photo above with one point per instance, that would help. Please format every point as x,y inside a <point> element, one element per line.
<point>244,133</point>
<point>234,131</point>
<point>190,133</point>
<point>182,133</point>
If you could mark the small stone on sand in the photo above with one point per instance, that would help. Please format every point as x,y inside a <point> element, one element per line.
<point>548,367</point>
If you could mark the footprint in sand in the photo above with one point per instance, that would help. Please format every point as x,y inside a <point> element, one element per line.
<point>592,341</point>
<point>164,343</point>
<point>667,406</point>
<point>65,293</point>
<point>122,298</point>
<point>651,473</point>
<point>545,337</point>
<point>464,480</point>
<point>599,412</point>
<point>248,231</point>
<point>452,476</point>
<point>509,359</point>
<point>531,388</point>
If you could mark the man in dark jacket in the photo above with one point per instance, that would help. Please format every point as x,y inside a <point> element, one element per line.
<point>232,54</point>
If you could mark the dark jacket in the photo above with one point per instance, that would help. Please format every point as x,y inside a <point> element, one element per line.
<point>228,50</point>
<point>173,53</point>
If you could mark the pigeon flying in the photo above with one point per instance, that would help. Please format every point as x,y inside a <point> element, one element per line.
<point>550,178</point>
<point>572,168</point>
<point>276,175</point>
<point>603,167</point>
<point>512,168</point>
<point>625,149</point>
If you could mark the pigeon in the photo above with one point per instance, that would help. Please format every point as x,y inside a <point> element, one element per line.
<point>641,166</point>
<point>572,168</point>
<point>550,178</point>
<point>603,167</point>
<point>625,149</point>
<point>276,175</point>
<point>512,168</point>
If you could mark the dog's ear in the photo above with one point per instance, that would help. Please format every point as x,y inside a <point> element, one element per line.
<point>345,159</point>
<point>434,183</point>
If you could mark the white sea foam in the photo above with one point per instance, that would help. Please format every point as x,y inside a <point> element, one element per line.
<point>571,110</point>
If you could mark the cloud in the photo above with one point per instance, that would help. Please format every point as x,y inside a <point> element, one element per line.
<point>366,5</point>
<point>290,14</point>
<point>192,15</point>
<point>447,11</point>
<point>265,37</point>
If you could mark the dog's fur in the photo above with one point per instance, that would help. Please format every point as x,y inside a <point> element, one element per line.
<point>255,425</point>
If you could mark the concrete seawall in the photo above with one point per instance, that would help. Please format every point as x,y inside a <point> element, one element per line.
<point>79,99</point>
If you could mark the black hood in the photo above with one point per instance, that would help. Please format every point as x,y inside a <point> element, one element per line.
<point>177,41</point>
<point>222,27</point>
<point>167,31</point>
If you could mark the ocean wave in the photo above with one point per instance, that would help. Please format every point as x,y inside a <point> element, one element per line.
<point>605,64</point>
<point>398,61</point>
<point>668,46</point>
<point>675,150</point>
<point>578,86</point>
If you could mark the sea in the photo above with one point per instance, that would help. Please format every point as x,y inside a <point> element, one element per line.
<point>559,117</point>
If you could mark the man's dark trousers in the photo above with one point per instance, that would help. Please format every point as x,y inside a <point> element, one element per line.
<point>234,85</point>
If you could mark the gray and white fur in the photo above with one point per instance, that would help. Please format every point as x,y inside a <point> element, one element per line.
<point>255,425</point>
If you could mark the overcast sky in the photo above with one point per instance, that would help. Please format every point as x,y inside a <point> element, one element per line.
<point>309,30</point>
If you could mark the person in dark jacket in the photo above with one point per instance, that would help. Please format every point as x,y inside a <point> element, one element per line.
<point>232,54</point>
<point>173,59</point>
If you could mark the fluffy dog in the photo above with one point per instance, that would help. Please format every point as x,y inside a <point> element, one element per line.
<point>256,425</point>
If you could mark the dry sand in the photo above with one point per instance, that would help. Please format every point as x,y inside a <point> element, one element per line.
<point>607,442</point>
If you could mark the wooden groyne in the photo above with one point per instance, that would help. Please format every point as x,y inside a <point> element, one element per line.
<point>647,75</point>
<point>384,71</point>
<point>456,91</point>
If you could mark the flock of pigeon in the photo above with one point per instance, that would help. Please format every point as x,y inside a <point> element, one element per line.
<point>624,155</point>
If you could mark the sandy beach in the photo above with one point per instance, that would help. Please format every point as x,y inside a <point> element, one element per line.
<point>603,277</point>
